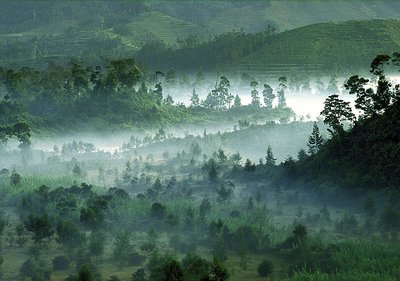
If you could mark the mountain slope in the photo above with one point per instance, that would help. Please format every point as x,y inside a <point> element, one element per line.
<point>347,45</point>
<point>214,16</point>
<point>325,47</point>
<point>34,32</point>
<point>368,156</point>
<point>289,14</point>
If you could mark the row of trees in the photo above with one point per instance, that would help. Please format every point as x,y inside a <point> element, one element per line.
<point>221,98</point>
<point>116,95</point>
<point>221,50</point>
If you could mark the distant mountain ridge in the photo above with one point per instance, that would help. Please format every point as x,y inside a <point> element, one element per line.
<point>33,33</point>
<point>214,17</point>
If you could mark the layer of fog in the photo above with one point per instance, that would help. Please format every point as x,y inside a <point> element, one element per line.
<point>303,103</point>
<point>286,140</point>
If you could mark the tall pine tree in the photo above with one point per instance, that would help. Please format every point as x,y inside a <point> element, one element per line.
<point>315,140</point>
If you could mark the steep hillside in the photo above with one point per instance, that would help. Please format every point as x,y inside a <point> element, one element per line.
<point>368,156</point>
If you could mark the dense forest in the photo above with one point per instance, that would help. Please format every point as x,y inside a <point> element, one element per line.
<point>117,95</point>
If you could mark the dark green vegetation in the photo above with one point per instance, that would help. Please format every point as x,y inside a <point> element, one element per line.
<point>115,96</point>
<point>326,47</point>
<point>190,217</point>
<point>180,209</point>
<point>207,35</point>
<point>334,46</point>
<point>212,189</point>
<point>367,155</point>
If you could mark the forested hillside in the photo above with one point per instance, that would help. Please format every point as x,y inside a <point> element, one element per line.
<point>196,140</point>
<point>118,95</point>
<point>367,155</point>
<point>325,47</point>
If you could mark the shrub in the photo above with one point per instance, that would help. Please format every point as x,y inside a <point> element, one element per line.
<point>158,211</point>
<point>15,179</point>
<point>265,268</point>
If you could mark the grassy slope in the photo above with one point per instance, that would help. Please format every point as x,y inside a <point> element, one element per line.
<point>347,43</point>
<point>296,13</point>
<point>166,28</point>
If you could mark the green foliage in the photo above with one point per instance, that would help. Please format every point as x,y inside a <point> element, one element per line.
<point>40,226</point>
<point>350,44</point>
<point>223,49</point>
<point>20,130</point>
<point>97,243</point>
<point>85,274</point>
<point>124,252</point>
<point>3,222</point>
<point>219,98</point>
<point>77,171</point>
<point>213,169</point>
<point>35,270</point>
<point>138,275</point>
<point>269,159</point>
<point>357,260</point>
<point>69,235</point>
<point>335,113</point>
<point>224,193</point>
<point>195,267</point>
<point>268,95</point>
<point>15,179</point>
<point>364,157</point>
<point>315,140</point>
<point>218,272</point>
<point>265,268</point>
<point>158,211</point>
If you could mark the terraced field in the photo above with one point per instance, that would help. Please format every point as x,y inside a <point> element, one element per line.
<point>327,45</point>
<point>165,28</point>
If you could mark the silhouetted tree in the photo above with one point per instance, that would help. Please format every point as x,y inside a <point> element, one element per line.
<point>255,99</point>
<point>335,112</point>
<point>194,99</point>
<point>281,93</point>
<point>315,140</point>
<point>270,160</point>
<point>268,95</point>
<point>237,102</point>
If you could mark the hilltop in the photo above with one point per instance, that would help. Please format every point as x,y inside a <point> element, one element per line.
<point>32,33</point>
<point>323,47</point>
<point>344,45</point>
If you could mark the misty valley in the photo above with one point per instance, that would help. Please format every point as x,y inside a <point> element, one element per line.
<point>164,141</point>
